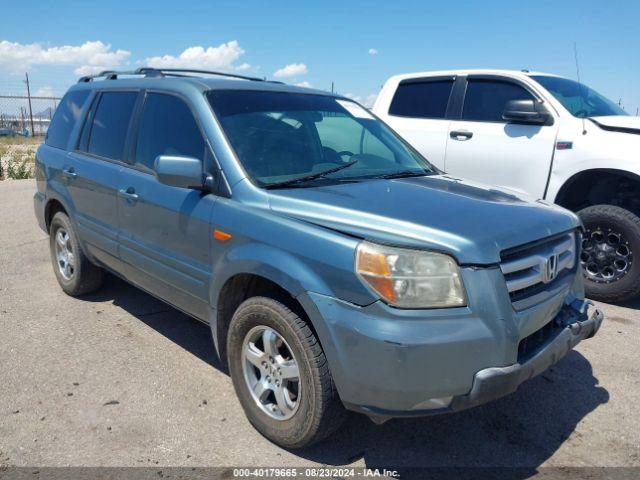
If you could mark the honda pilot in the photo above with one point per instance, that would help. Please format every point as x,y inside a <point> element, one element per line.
<point>338,269</point>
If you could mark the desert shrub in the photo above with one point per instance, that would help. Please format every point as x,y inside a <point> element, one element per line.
<point>19,170</point>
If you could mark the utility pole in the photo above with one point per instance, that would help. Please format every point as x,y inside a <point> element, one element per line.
<point>33,133</point>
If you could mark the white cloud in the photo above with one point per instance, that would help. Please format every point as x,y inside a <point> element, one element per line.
<point>44,91</point>
<point>373,51</point>
<point>304,84</point>
<point>291,70</point>
<point>222,57</point>
<point>90,57</point>
<point>367,100</point>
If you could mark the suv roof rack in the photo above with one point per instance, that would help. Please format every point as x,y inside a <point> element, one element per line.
<point>149,72</point>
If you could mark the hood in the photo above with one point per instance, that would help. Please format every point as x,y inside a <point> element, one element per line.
<point>618,123</point>
<point>469,221</point>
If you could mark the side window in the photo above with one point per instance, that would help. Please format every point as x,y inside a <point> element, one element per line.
<point>485,99</point>
<point>66,116</point>
<point>111,124</point>
<point>422,99</point>
<point>167,127</point>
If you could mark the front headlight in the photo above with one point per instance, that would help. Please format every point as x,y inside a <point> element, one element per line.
<point>410,278</point>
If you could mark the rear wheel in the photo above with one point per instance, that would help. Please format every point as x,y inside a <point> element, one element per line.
<point>610,246</point>
<point>74,272</point>
<point>281,375</point>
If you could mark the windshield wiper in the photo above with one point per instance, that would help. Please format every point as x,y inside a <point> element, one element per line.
<point>403,174</point>
<point>310,177</point>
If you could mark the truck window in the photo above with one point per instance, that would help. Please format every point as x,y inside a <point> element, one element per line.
<point>111,124</point>
<point>66,116</point>
<point>421,99</point>
<point>485,100</point>
<point>167,127</point>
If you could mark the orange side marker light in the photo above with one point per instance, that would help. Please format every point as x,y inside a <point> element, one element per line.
<point>221,236</point>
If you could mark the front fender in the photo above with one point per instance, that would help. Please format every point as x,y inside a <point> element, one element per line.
<point>276,265</point>
<point>596,151</point>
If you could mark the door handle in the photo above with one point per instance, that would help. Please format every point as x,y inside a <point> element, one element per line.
<point>69,172</point>
<point>461,135</point>
<point>129,195</point>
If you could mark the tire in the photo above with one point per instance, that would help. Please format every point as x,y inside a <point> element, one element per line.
<point>82,276</point>
<point>318,412</point>
<point>606,279</point>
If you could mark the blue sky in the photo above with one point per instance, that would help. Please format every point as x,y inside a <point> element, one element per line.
<point>356,44</point>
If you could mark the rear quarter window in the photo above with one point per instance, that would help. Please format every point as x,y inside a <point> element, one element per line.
<point>66,116</point>
<point>421,99</point>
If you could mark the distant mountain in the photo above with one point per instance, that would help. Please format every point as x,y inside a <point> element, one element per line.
<point>46,113</point>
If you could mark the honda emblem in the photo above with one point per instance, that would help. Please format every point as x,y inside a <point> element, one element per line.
<point>549,268</point>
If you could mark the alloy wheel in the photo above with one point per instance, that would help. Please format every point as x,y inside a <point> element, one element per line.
<point>606,255</point>
<point>271,372</point>
<point>65,257</point>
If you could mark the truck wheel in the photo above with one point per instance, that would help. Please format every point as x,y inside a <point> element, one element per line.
<point>74,272</point>
<point>281,375</point>
<point>610,253</point>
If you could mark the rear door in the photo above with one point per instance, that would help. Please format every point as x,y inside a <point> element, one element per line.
<point>93,173</point>
<point>166,236</point>
<point>418,112</point>
<point>485,148</point>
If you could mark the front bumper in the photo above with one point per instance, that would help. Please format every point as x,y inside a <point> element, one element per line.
<point>391,363</point>
<point>492,383</point>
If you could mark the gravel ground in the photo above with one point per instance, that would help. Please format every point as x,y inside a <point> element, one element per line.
<point>121,379</point>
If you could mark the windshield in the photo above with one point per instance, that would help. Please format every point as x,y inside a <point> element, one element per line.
<point>282,138</point>
<point>580,100</point>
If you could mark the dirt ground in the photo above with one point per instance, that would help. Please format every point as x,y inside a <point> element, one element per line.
<point>120,379</point>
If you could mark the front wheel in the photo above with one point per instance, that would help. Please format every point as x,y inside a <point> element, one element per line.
<point>610,250</point>
<point>281,375</point>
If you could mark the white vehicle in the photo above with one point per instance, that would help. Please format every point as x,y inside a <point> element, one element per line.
<point>541,135</point>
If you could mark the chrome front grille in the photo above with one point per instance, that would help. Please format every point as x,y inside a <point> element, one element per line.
<point>538,266</point>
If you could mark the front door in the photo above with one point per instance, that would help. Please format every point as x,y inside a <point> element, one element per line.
<point>166,237</point>
<point>481,146</point>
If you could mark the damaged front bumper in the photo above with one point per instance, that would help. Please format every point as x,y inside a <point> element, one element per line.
<point>492,383</point>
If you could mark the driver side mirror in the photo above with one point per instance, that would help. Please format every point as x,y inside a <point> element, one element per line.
<point>184,172</point>
<point>527,111</point>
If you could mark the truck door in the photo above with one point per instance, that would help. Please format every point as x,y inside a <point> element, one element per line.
<point>481,146</point>
<point>418,113</point>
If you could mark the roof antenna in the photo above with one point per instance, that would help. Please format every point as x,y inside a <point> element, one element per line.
<point>575,54</point>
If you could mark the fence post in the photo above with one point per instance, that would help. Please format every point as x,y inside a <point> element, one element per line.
<point>33,132</point>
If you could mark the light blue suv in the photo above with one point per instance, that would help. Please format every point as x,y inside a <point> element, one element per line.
<point>336,266</point>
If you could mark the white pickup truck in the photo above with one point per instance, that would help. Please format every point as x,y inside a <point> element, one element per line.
<point>541,135</point>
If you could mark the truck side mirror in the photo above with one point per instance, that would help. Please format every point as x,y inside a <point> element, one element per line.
<point>527,111</point>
